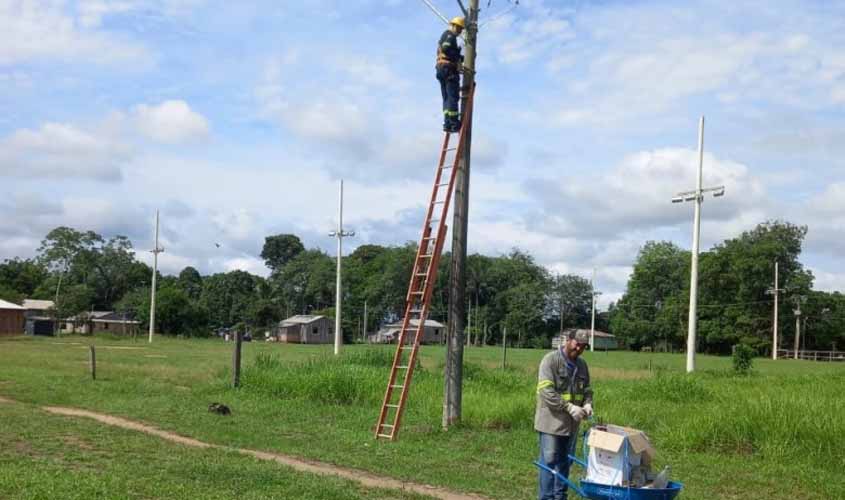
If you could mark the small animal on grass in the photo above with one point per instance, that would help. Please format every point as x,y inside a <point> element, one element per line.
<point>219,408</point>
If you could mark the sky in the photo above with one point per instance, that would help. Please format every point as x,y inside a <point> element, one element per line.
<point>237,120</point>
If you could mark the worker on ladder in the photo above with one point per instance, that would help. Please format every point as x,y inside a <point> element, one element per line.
<point>449,61</point>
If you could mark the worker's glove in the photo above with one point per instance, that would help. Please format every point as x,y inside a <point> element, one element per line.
<point>576,412</point>
<point>588,409</point>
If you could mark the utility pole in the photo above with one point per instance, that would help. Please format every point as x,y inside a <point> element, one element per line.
<point>339,234</point>
<point>698,197</point>
<point>593,313</point>
<point>365,322</point>
<point>775,291</point>
<point>156,250</point>
<point>452,393</point>
<point>799,299</point>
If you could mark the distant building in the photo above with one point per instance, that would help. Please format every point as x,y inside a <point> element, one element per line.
<point>40,317</point>
<point>604,341</point>
<point>12,319</point>
<point>101,321</point>
<point>433,334</point>
<point>305,329</point>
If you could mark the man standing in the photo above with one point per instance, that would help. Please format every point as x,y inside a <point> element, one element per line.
<point>564,398</point>
<point>449,60</point>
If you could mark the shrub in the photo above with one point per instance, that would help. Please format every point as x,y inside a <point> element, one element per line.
<point>743,356</point>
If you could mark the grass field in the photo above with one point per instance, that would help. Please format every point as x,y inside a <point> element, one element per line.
<point>779,433</point>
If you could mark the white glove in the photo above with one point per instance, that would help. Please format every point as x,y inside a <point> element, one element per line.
<point>588,409</point>
<point>576,411</point>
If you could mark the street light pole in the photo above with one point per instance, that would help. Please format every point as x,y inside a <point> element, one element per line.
<point>775,291</point>
<point>156,250</point>
<point>339,234</point>
<point>698,197</point>
<point>594,293</point>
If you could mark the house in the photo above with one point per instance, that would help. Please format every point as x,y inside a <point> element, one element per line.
<point>101,321</point>
<point>433,333</point>
<point>305,329</point>
<point>604,341</point>
<point>12,320</point>
<point>40,317</point>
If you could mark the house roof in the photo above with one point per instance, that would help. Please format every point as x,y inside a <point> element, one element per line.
<point>94,315</point>
<point>415,322</point>
<point>37,305</point>
<point>301,319</point>
<point>9,305</point>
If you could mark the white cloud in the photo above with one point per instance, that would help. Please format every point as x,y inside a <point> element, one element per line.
<point>41,29</point>
<point>59,150</point>
<point>170,122</point>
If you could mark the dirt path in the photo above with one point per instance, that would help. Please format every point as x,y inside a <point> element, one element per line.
<point>365,478</point>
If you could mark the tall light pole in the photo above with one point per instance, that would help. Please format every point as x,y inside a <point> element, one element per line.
<point>156,250</point>
<point>698,197</point>
<point>799,299</point>
<point>339,234</point>
<point>775,291</point>
<point>593,312</point>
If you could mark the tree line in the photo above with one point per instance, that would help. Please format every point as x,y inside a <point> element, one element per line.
<point>85,271</point>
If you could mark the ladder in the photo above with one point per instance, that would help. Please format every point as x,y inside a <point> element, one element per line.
<point>423,278</point>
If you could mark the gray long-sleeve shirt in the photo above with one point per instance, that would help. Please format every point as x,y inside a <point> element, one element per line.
<point>557,387</point>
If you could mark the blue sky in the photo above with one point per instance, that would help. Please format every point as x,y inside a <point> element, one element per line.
<point>237,120</point>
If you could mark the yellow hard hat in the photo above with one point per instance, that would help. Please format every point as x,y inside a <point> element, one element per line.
<point>458,21</point>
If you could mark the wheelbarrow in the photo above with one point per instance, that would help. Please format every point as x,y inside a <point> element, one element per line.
<point>596,491</point>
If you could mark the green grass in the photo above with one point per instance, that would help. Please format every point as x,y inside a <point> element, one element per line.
<point>778,433</point>
<point>47,456</point>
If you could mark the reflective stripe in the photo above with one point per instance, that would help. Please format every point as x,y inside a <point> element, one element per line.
<point>450,113</point>
<point>544,384</point>
<point>566,397</point>
<point>446,44</point>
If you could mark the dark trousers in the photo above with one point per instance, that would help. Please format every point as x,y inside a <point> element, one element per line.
<point>554,454</point>
<point>450,88</point>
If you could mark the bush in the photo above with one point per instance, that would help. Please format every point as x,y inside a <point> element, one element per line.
<point>743,356</point>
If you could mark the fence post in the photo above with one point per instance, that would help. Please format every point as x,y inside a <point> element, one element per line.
<point>236,361</point>
<point>93,362</point>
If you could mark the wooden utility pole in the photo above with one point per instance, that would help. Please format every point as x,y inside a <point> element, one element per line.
<point>236,360</point>
<point>457,280</point>
<point>92,361</point>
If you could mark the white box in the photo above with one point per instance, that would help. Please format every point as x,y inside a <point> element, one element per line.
<point>609,447</point>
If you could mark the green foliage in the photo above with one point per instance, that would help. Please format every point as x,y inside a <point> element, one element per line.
<point>280,249</point>
<point>743,358</point>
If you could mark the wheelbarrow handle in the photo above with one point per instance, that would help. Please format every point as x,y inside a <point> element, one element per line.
<point>560,477</point>
<point>578,461</point>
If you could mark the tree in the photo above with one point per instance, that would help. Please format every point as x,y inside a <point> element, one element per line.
<point>227,297</point>
<point>190,281</point>
<point>570,300</point>
<point>21,277</point>
<point>280,249</point>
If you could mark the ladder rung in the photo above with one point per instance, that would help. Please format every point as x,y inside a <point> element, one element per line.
<point>421,274</point>
<point>417,293</point>
<point>387,425</point>
<point>392,406</point>
<point>438,202</point>
<point>444,167</point>
<point>388,436</point>
<point>402,367</point>
<point>429,237</point>
<point>444,184</point>
<point>451,149</point>
<point>427,255</point>
<point>397,386</point>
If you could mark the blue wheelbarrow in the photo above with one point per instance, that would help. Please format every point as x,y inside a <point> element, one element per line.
<point>595,491</point>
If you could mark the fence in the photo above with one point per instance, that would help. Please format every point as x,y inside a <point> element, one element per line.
<point>812,355</point>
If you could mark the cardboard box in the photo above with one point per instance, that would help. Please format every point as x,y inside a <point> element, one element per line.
<point>618,456</point>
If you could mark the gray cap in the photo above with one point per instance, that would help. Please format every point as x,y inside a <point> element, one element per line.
<point>579,336</point>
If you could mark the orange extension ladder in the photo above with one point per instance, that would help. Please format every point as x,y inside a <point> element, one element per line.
<point>423,278</point>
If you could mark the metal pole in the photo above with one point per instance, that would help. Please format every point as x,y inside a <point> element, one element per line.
<point>156,251</point>
<point>504,346</point>
<point>594,293</point>
<point>696,230</point>
<point>337,328</point>
<point>365,321</point>
<point>775,319</point>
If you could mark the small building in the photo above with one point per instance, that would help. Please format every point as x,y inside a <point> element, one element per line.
<point>305,329</point>
<point>433,333</point>
<point>604,341</point>
<point>12,319</point>
<point>40,317</point>
<point>101,322</point>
